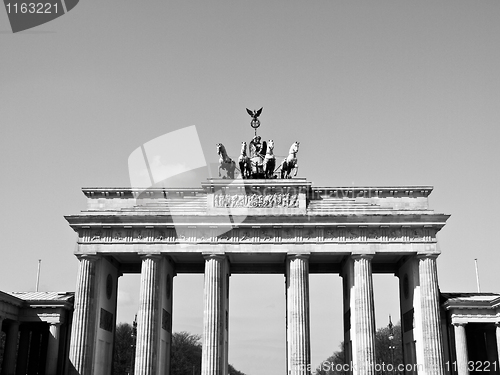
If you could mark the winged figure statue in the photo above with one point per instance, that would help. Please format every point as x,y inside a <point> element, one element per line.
<point>255,114</point>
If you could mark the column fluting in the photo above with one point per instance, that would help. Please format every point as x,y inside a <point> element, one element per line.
<point>431,325</point>
<point>298,322</point>
<point>147,317</point>
<point>364,314</point>
<point>461,349</point>
<point>82,330</point>
<point>213,316</point>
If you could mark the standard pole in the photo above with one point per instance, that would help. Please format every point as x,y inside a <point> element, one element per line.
<point>477,277</point>
<point>38,275</point>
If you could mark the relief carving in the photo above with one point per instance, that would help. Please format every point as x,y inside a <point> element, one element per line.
<point>352,234</point>
<point>330,234</point>
<point>309,234</point>
<point>97,236</point>
<point>160,235</point>
<point>224,237</point>
<point>374,234</point>
<point>246,235</point>
<point>395,234</point>
<point>415,233</point>
<point>267,235</point>
<point>204,236</point>
<point>257,201</point>
<point>288,234</point>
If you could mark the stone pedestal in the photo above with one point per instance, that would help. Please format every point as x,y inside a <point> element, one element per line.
<point>147,318</point>
<point>429,307</point>
<point>297,305</point>
<point>215,316</point>
<point>52,349</point>
<point>461,349</point>
<point>83,327</point>
<point>9,356</point>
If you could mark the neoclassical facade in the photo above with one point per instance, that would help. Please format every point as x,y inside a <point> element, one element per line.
<point>36,327</point>
<point>472,323</point>
<point>281,226</point>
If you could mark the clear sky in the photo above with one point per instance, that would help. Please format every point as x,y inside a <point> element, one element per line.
<point>377,92</point>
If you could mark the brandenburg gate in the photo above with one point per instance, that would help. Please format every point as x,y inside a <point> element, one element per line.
<point>255,225</point>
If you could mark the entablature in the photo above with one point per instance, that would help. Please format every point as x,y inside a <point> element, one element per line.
<point>415,232</point>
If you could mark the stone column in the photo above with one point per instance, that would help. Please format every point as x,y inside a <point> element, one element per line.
<point>497,324</point>
<point>461,349</point>
<point>23,351</point>
<point>364,314</point>
<point>35,346</point>
<point>297,312</point>
<point>147,318</point>
<point>83,328</point>
<point>214,358</point>
<point>10,351</point>
<point>53,349</point>
<point>429,305</point>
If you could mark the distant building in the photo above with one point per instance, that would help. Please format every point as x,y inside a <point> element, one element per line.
<point>472,332</point>
<point>37,327</point>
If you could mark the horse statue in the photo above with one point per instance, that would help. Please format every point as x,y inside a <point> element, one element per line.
<point>244,162</point>
<point>290,162</point>
<point>269,160</point>
<point>225,162</point>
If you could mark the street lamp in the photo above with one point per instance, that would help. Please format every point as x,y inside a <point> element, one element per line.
<point>391,346</point>
<point>134,340</point>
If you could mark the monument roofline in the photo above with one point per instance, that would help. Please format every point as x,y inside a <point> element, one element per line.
<point>297,183</point>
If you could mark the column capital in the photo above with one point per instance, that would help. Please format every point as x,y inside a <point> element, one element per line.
<point>89,257</point>
<point>459,324</point>
<point>298,255</point>
<point>358,256</point>
<point>153,256</point>
<point>208,256</point>
<point>497,324</point>
<point>427,255</point>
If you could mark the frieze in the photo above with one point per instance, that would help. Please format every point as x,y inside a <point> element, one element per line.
<point>267,235</point>
<point>288,234</point>
<point>340,234</point>
<point>246,235</point>
<point>278,200</point>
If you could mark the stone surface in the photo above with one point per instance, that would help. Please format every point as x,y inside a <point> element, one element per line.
<point>298,324</point>
<point>461,349</point>
<point>147,318</point>
<point>258,226</point>
<point>9,361</point>
<point>215,325</point>
<point>364,316</point>
<point>497,331</point>
<point>431,324</point>
<point>82,332</point>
